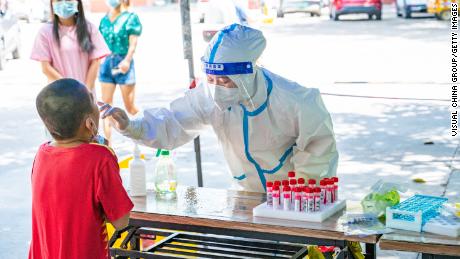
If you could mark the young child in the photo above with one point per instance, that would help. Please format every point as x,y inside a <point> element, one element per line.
<point>76,185</point>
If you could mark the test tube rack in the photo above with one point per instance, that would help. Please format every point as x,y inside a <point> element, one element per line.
<point>413,213</point>
<point>263,210</point>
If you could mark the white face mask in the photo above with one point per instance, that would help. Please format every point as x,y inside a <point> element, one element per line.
<point>225,97</point>
<point>113,3</point>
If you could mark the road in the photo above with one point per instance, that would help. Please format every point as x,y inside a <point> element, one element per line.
<point>377,138</point>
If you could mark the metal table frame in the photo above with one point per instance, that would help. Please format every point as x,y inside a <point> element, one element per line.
<point>201,245</point>
<point>137,228</point>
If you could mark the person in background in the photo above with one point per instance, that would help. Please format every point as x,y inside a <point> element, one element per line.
<point>70,46</point>
<point>120,29</point>
<point>76,185</point>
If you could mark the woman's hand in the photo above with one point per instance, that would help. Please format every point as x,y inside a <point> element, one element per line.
<point>116,115</point>
<point>124,66</point>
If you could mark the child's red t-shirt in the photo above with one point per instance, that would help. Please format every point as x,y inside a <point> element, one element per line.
<point>73,191</point>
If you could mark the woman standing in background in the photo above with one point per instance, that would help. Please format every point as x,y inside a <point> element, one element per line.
<point>120,29</point>
<point>69,46</point>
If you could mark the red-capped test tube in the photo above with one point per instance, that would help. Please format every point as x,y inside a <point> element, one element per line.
<point>304,199</point>
<point>317,197</point>
<point>277,183</point>
<point>270,194</point>
<point>287,198</point>
<point>310,200</point>
<point>276,197</point>
<point>283,184</point>
<point>336,188</point>
<point>323,186</point>
<point>292,184</point>
<point>329,191</point>
<point>291,175</point>
<point>301,182</point>
<point>312,183</point>
<point>298,199</point>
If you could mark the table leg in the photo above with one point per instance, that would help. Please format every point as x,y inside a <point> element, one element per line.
<point>135,245</point>
<point>371,251</point>
<point>343,254</point>
<point>301,254</point>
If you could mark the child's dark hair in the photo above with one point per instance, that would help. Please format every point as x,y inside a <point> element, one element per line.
<point>83,33</point>
<point>62,106</point>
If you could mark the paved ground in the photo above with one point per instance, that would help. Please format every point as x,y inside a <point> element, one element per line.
<point>377,138</point>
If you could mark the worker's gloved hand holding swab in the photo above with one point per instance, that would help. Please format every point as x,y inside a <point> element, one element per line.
<point>119,117</point>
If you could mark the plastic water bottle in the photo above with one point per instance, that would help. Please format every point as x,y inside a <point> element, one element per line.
<point>165,175</point>
<point>137,174</point>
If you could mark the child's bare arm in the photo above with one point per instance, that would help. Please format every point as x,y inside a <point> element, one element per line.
<point>121,222</point>
<point>115,202</point>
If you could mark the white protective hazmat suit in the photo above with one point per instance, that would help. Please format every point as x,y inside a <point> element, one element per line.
<point>277,125</point>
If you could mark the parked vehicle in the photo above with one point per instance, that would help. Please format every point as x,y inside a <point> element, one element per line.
<point>440,8</point>
<point>9,34</point>
<point>405,8</point>
<point>373,8</point>
<point>313,7</point>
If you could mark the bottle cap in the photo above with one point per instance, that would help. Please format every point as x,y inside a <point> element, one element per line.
<point>312,181</point>
<point>335,179</point>
<point>269,184</point>
<point>285,182</point>
<point>291,174</point>
<point>276,188</point>
<point>308,190</point>
<point>330,181</point>
<point>277,183</point>
<point>293,182</point>
<point>317,189</point>
<point>301,181</point>
<point>286,189</point>
<point>165,152</point>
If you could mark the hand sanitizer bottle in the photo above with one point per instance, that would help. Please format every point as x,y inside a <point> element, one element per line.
<point>137,174</point>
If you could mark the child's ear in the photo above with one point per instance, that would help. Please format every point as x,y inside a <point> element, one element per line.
<point>89,124</point>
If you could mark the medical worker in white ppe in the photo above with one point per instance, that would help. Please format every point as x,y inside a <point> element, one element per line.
<point>266,124</point>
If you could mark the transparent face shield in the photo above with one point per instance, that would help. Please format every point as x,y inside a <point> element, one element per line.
<point>240,73</point>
